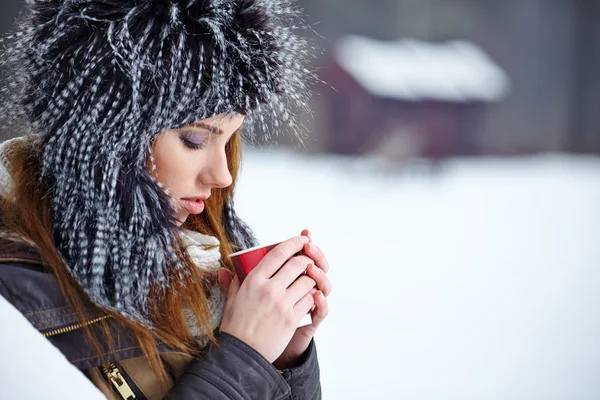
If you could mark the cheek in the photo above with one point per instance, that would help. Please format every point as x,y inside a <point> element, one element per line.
<point>168,175</point>
<point>173,167</point>
<point>179,170</point>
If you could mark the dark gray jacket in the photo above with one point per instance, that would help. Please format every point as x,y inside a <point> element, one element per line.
<point>231,370</point>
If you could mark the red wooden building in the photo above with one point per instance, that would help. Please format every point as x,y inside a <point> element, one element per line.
<point>407,98</point>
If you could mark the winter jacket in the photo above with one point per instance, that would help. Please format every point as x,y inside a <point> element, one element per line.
<point>230,370</point>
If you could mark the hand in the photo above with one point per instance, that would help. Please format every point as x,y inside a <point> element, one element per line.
<point>302,337</point>
<point>265,310</point>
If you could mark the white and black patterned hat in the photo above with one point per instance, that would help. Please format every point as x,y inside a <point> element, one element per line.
<point>97,80</point>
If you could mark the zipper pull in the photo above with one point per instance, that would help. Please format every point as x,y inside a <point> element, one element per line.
<point>114,376</point>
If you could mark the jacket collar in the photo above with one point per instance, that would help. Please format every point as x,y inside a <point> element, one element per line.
<point>17,249</point>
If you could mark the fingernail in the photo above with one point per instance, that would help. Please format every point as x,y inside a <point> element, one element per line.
<point>320,295</point>
<point>314,269</point>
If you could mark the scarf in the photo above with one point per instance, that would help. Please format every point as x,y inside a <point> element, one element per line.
<point>204,253</point>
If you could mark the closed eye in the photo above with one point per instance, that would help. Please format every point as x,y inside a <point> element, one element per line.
<point>193,140</point>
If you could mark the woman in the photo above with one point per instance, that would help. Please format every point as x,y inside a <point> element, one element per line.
<point>117,212</point>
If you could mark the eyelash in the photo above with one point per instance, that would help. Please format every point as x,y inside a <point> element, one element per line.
<point>191,145</point>
<point>194,146</point>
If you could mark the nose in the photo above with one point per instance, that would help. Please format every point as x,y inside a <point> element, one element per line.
<point>217,173</point>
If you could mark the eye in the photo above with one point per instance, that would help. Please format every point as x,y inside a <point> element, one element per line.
<point>193,140</point>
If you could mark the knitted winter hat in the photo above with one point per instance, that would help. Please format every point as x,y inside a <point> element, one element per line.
<point>98,80</point>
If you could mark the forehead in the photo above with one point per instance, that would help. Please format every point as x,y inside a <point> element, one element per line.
<point>221,123</point>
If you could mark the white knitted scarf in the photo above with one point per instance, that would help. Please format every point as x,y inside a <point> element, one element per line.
<point>204,252</point>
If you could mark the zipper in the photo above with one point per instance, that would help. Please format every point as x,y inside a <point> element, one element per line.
<point>111,371</point>
<point>75,327</point>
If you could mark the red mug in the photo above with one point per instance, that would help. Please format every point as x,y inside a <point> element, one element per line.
<point>244,261</point>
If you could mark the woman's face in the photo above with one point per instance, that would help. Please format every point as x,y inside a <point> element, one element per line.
<point>191,161</point>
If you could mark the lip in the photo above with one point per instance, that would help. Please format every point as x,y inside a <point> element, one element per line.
<point>193,205</point>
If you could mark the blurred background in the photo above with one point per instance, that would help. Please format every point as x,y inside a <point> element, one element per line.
<point>452,176</point>
<point>439,78</point>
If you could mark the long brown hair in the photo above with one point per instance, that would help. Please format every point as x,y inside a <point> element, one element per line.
<point>27,212</point>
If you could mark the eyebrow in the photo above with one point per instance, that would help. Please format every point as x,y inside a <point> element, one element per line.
<point>209,127</point>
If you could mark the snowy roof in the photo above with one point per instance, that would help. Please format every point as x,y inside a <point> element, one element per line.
<point>415,70</point>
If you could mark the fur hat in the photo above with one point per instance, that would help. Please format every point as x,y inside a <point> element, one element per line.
<point>98,80</point>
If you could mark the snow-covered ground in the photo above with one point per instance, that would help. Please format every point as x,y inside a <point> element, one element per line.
<point>480,280</point>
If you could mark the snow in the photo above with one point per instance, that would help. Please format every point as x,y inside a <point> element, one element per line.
<point>32,368</point>
<point>475,280</point>
<point>478,280</point>
<point>414,70</point>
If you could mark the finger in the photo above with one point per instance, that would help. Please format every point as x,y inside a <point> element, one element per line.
<point>278,256</point>
<point>317,255</point>
<point>321,310</point>
<point>300,288</point>
<point>304,305</point>
<point>291,270</point>
<point>307,233</point>
<point>321,279</point>
<point>225,277</point>
<point>234,287</point>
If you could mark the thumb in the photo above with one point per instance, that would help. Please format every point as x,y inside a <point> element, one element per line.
<point>225,279</point>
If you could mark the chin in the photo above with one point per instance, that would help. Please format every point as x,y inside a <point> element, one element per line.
<point>181,219</point>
